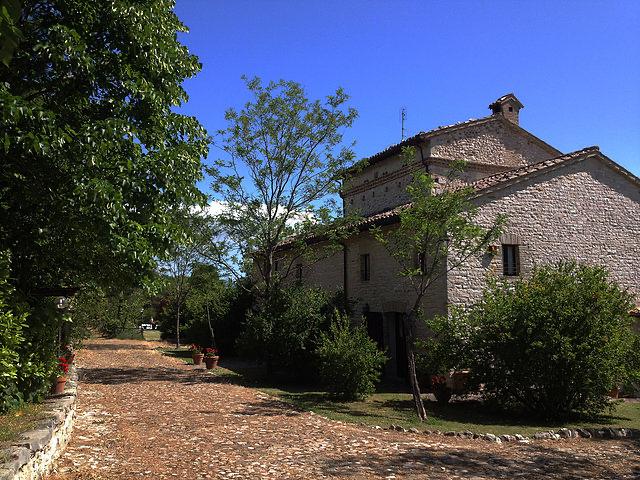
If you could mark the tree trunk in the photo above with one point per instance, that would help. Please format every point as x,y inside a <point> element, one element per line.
<point>213,338</point>
<point>178,327</point>
<point>411,363</point>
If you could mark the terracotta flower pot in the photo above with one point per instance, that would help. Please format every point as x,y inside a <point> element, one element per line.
<point>197,358</point>
<point>211,362</point>
<point>58,386</point>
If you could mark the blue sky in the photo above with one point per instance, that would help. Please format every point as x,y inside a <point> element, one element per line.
<point>575,65</point>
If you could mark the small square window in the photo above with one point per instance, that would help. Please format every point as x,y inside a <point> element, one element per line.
<point>510,260</point>
<point>365,267</point>
<point>511,109</point>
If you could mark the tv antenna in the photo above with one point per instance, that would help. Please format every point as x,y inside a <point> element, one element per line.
<point>403,117</point>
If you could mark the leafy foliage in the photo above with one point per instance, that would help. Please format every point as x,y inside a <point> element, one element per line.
<point>553,344</point>
<point>285,331</point>
<point>10,34</point>
<point>349,360</point>
<point>109,313</point>
<point>280,180</point>
<point>25,367</point>
<point>95,159</point>
<point>445,348</point>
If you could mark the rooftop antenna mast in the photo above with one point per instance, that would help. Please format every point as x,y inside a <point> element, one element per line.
<point>403,117</point>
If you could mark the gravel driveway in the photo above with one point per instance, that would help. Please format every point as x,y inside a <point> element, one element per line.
<point>144,415</point>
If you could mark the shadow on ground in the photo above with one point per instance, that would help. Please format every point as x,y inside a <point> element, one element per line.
<point>114,346</point>
<point>533,461</point>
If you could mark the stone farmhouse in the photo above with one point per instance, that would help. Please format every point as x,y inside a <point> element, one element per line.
<point>579,205</point>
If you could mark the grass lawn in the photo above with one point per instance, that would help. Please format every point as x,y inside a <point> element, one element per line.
<point>20,420</point>
<point>151,335</point>
<point>393,406</point>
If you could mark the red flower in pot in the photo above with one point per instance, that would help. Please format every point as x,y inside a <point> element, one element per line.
<point>61,379</point>
<point>196,354</point>
<point>211,358</point>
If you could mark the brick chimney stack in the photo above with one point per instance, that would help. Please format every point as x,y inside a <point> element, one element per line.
<point>508,106</point>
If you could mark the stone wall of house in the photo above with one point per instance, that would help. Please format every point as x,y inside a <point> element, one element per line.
<point>489,147</point>
<point>493,142</point>
<point>585,211</point>
<point>389,190</point>
<point>325,272</point>
<point>386,290</point>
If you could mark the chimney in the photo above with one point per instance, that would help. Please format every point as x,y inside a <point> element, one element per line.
<point>508,106</point>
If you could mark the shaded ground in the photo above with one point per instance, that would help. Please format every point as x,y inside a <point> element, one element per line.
<point>391,405</point>
<point>143,415</point>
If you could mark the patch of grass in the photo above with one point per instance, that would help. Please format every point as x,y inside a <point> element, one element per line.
<point>181,353</point>
<point>397,408</point>
<point>393,406</point>
<point>22,419</point>
<point>129,334</point>
<point>151,335</point>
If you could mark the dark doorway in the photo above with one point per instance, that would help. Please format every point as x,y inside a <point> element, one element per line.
<point>375,328</point>
<point>401,346</point>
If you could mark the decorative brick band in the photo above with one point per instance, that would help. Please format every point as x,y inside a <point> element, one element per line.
<point>32,455</point>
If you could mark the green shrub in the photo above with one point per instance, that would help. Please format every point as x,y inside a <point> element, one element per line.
<point>284,332</point>
<point>349,361</point>
<point>11,338</point>
<point>553,344</point>
<point>28,345</point>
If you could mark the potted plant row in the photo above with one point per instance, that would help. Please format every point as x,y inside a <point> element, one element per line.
<point>211,358</point>
<point>197,354</point>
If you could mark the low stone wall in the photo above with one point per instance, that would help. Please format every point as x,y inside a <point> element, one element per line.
<point>596,433</point>
<point>32,455</point>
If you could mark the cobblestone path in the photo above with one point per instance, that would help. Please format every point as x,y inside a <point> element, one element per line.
<point>143,415</point>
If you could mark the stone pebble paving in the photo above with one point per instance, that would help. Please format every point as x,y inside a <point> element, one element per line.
<point>144,415</point>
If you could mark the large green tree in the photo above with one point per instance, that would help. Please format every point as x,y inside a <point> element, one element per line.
<point>95,158</point>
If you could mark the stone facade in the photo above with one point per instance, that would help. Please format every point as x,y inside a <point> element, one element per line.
<point>579,206</point>
<point>488,145</point>
<point>495,142</point>
<point>585,211</point>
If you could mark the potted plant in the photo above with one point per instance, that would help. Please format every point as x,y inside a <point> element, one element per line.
<point>196,354</point>
<point>61,379</point>
<point>211,358</point>
<point>440,389</point>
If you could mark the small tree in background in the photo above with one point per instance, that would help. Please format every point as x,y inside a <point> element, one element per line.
<point>286,159</point>
<point>553,344</point>
<point>349,360</point>
<point>183,257</point>
<point>437,233</point>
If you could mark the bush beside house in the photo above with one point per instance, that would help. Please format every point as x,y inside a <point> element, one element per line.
<point>551,345</point>
<point>349,361</point>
